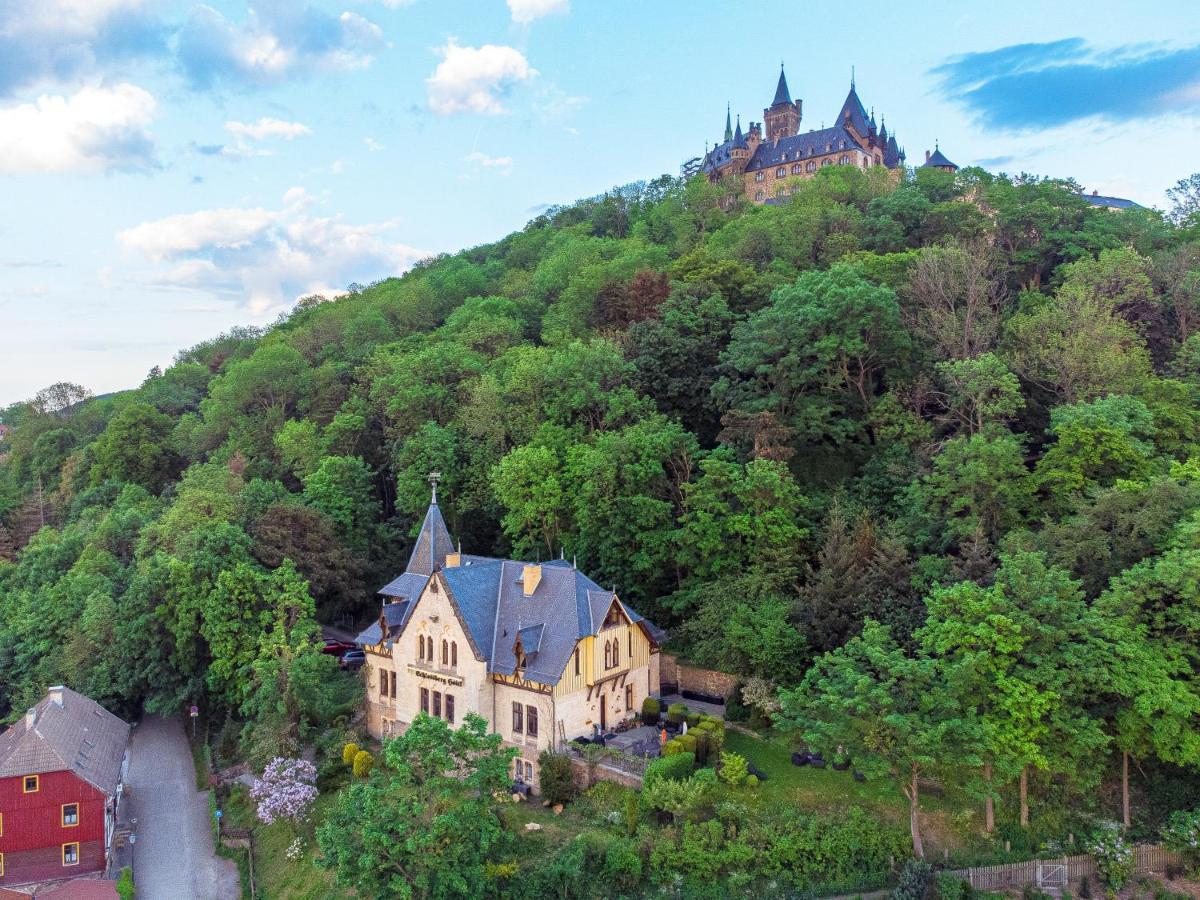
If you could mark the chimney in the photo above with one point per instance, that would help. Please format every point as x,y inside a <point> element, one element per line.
<point>530,578</point>
<point>30,717</point>
<point>56,694</point>
<point>454,560</point>
<point>1095,193</point>
<point>926,156</point>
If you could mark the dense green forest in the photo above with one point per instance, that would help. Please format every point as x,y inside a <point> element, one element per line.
<point>919,461</point>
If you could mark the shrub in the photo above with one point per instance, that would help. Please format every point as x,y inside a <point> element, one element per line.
<point>672,747</point>
<point>916,881</point>
<point>651,709</point>
<point>751,781</point>
<point>124,885</point>
<point>631,813</point>
<point>349,752</point>
<point>733,768</point>
<point>1114,855</point>
<point>364,762</point>
<point>558,784</point>
<point>1182,834</point>
<point>688,741</point>
<point>693,719</point>
<point>949,886</point>
<point>676,713</point>
<point>705,777</point>
<point>735,709</point>
<point>670,768</point>
<point>287,789</point>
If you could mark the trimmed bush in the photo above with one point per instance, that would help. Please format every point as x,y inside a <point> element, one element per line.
<point>651,710</point>
<point>688,741</point>
<point>558,785</point>
<point>751,781</point>
<point>676,713</point>
<point>632,813</point>
<point>670,768</point>
<point>364,762</point>
<point>693,719</point>
<point>672,747</point>
<point>349,752</point>
<point>705,777</point>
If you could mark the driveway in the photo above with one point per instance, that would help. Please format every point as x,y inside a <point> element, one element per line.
<point>173,857</point>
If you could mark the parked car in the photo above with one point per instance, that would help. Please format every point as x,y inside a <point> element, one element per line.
<point>337,648</point>
<point>352,660</point>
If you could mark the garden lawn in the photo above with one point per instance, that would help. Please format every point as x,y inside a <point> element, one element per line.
<point>812,789</point>
<point>275,876</point>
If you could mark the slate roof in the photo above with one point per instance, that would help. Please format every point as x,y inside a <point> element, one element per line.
<point>937,158</point>
<point>857,112</point>
<point>79,736</point>
<point>800,147</point>
<point>892,154</point>
<point>489,594</point>
<point>782,95</point>
<point>433,543</point>
<point>1110,202</point>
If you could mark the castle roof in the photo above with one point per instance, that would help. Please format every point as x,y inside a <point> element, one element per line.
<point>802,146</point>
<point>783,96</point>
<point>728,125</point>
<point>433,543</point>
<point>739,141</point>
<point>853,112</point>
<point>892,155</point>
<point>1096,199</point>
<point>489,594</point>
<point>937,159</point>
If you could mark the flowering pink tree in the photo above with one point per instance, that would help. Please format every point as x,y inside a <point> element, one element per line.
<point>286,790</point>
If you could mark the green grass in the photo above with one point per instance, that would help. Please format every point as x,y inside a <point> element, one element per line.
<point>275,876</point>
<point>945,819</point>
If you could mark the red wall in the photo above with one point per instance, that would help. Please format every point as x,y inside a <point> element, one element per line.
<point>33,827</point>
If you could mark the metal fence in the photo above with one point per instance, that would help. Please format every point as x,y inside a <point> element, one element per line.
<point>630,764</point>
<point>1148,860</point>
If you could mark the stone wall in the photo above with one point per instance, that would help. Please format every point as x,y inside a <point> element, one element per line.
<point>677,677</point>
<point>604,772</point>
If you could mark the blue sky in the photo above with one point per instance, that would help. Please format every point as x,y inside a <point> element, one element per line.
<point>170,169</point>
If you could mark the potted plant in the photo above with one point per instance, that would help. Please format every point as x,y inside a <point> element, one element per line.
<point>841,760</point>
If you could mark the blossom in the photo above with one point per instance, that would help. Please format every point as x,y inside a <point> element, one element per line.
<point>286,790</point>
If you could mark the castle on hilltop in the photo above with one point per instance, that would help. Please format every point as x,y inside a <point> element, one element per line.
<point>771,154</point>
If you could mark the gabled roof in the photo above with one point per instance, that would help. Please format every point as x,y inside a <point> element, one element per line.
<point>433,543</point>
<point>783,96</point>
<point>857,113</point>
<point>69,732</point>
<point>937,158</point>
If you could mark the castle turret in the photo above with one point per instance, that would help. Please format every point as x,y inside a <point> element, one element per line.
<point>728,125</point>
<point>782,117</point>
<point>937,160</point>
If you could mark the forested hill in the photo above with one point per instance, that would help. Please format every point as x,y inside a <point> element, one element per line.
<point>763,425</point>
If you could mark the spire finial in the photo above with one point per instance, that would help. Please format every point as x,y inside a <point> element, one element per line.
<point>434,478</point>
<point>852,78</point>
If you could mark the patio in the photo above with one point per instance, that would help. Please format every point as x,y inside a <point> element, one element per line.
<point>642,741</point>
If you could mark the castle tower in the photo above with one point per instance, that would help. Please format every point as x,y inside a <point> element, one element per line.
<point>740,151</point>
<point>728,125</point>
<point>782,117</point>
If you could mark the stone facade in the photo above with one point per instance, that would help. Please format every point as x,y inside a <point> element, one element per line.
<point>678,677</point>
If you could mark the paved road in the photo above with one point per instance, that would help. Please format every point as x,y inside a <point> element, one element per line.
<point>173,858</point>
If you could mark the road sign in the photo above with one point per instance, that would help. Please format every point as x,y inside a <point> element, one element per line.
<point>195,711</point>
<point>218,813</point>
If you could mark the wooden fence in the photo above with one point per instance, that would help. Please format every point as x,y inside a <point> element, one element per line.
<point>1063,871</point>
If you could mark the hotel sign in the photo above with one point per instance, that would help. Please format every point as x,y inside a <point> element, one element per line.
<point>452,680</point>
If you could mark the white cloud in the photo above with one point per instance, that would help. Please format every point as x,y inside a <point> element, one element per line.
<point>267,128</point>
<point>373,145</point>
<point>475,79</point>
<point>501,164</point>
<point>264,258</point>
<point>94,129</point>
<point>525,11</point>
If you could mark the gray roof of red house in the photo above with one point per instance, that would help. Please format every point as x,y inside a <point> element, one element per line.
<point>937,158</point>
<point>77,735</point>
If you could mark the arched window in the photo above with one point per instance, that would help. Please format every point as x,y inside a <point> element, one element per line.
<point>454,654</point>
<point>616,653</point>
<point>429,649</point>
<point>445,652</point>
<point>827,162</point>
<point>811,167</point>
<point>759,176</point>
<point>796,169</point>
<point>607,655</point>
<point>420,646</point>
<point>758,196</point>
<point>844,160</point>
<point>780,172</point>
<point>866,162</point>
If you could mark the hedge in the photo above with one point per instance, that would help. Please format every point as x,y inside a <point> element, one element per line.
<point>651,709</point>
<point>677,767</point>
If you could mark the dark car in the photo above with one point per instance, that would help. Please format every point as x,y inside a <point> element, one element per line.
<point>352,660</point>
<point>337,648</point>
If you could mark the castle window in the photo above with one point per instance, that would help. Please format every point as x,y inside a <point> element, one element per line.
<point>454,654</point>
<point>383,683</point>
<point>616,652</point>
<point>827,162</point>
<point>518,718</point>
<point>531,721</point>
<point>759,176</point>
<point>576,660</point>
<point>844,160</point>
<point>608,654</point>
<point>420,647</point>
<point>812,166</point>
<point>392,676</point>
<point>796,169</point>
<point>780,172</point>
<point>450,708</point>
<point>759,196</point>
<point>866,162</point>
<point>828,147</point>
<point>425,700</point>
<point>445,652</point>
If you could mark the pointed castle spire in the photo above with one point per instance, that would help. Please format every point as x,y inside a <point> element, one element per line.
<point>728,124</point>
<point>783,96</point>
<point>738,139</point>
<point>433,541</point>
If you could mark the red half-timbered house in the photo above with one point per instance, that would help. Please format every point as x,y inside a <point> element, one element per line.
<point>61,776</point>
